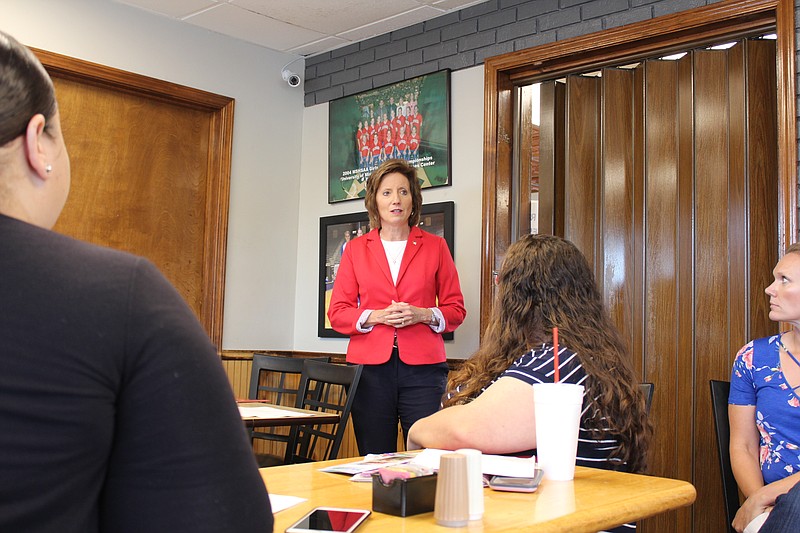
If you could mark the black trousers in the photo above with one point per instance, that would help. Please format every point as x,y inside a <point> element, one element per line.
<point>392,391</point>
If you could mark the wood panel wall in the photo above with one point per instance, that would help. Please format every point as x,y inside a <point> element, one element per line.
<point>239,369</point>
<point>667,305</point>
<point>667,185</point>
<point>238,365</point>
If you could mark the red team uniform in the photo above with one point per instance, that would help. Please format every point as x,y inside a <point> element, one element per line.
<point>375,148</point>
<point>413,141</point>
<point>395,136</point>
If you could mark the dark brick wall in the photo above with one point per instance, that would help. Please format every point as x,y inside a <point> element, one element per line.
<point>465,38</point>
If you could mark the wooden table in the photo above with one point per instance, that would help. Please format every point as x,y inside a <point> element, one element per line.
<point>289,416</point>
<point>595,500</point>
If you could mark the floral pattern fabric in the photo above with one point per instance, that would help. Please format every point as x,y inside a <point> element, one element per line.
<point>757,379</point>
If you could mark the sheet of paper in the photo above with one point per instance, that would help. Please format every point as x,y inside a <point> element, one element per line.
<point>280,502</point>
<point>264,411</point>
<point>370,463</point>
<point>496,465</point>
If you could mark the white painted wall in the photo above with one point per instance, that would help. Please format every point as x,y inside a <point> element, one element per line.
<point>262,239</point>
<point>278,183</point>
<point>466,191</point>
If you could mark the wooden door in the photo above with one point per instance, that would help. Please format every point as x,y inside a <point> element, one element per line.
<point>150,174</point>
<point>671,192</point>
<point>685,288</point>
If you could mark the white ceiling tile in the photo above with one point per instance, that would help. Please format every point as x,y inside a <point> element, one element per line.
<point>326,16</point>
<point>402,20</point>
<point>242,24</point>
<point>171,8</point>
<point>301,26</point>
<point>452,5</point>
<point>323,45</point>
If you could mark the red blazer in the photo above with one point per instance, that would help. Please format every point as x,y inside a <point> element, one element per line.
<point>427,278</point>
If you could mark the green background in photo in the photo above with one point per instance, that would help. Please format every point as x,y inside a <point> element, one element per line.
<point>346,180</point>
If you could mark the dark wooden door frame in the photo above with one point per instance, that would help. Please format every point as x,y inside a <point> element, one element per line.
<point>672,33</point>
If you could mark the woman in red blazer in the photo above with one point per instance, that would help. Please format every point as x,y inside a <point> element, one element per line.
<point>396,292</point>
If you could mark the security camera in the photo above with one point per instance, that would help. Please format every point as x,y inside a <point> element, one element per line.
<point>291,78</point>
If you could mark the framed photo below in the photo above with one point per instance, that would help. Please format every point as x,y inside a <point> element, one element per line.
<point>336,231</point>
<point>407,120</point>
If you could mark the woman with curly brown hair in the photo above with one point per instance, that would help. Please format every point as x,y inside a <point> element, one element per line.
<point>545,282</point>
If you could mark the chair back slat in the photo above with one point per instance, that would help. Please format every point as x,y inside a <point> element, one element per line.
<point>647,389</point>
<point>323,387</point>
<point>269,381</point>
<point>730,490</point>
<point>272,365</point>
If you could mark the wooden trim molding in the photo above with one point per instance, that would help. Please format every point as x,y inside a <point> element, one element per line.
<point>787,124</point>
<point>671,33</point>
<point>102,75</point>
<point>247,355</point>
<point>216,222</point>
<point>218,164</point>
<point>228,355</point>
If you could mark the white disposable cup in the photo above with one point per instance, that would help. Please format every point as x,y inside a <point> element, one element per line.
<point>557,411</point>
<point>474,482</point>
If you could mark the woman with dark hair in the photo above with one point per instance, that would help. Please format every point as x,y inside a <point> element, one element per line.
<point>115,412</point>
<point>544,282</point>
<point>396,292</point>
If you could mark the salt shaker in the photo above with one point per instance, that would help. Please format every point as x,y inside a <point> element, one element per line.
<point>451,507</point>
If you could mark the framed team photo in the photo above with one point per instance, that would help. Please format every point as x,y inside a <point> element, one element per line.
<point>336,231</point>
<point>407,120</point>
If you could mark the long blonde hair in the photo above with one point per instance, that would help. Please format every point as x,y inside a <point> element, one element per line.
<point>546,282</point>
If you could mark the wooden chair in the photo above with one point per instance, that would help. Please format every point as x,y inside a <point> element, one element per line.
<point>323,387</point>
<point>279,390</point>
<point>730,490</point>
<point>647,389</point>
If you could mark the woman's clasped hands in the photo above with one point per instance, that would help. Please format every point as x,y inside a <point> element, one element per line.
<point>402,314</point>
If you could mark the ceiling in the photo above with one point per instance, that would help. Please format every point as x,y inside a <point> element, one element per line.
<point>301,27</point>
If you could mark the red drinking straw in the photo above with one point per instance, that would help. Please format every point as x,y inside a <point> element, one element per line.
<point>556,378</point>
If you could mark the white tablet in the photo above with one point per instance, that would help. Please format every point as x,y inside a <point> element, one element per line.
<point>329,520</point>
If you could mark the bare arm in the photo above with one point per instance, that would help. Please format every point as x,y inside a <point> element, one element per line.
<point>498,421</point>
<point>745,450</point>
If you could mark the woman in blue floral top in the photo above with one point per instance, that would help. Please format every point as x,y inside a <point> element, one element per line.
<point>764,406</point>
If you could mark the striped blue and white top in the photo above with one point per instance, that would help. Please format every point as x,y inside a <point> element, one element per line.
<point>537,366</point>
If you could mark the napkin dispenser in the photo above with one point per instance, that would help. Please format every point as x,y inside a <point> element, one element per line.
<point>403,497</point>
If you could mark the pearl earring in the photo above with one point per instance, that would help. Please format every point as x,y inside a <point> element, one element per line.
<point>48,169</point>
